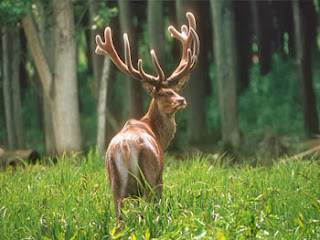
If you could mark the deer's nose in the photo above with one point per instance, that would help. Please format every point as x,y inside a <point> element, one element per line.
<point>182,101</point>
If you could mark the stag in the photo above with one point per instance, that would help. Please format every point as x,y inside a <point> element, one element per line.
<point>135,156</point>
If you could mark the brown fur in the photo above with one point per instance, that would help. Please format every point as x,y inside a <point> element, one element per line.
<point>139,146</point>
<point>142,142</point>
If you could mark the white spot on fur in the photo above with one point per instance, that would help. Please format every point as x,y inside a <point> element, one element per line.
<point>123,173</point>
<point>133,162</point>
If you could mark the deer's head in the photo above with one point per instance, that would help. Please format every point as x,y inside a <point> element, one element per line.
<point>165,90</point>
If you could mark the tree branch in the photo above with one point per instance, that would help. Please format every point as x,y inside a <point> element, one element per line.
<point>37,51</point>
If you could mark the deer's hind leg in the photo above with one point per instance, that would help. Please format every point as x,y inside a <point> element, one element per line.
<point>118,177</point>
<point>152,175</point>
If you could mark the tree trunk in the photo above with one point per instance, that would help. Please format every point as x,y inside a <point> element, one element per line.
<point>196,90</point>
<point>38,54</point>
<point>103,72</point>
<point>243,32</point>
<point>133,86</point>
<point>16,96</point>
<point>172,15</point>
<point>61,90</point>
<point>46,39</point>
<point>156,29</point>
<point>114,116</point>
<point>7,91</point>
<point>224,48</point>
<point>283,15</point>
<point>45,74</point>
<point>11,89</point>
<point>97,60</point>
<point>66,106</point>
<point>262,19</point>
<point>102,107</point>
<point>181,8</point>
<point>304,73</point>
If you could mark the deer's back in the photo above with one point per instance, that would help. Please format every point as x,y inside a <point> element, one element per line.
<point>134,147</point>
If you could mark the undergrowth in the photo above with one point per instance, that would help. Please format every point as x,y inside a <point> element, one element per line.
<point>201,200</point>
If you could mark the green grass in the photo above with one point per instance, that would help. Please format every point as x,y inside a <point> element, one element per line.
<point>201,200</point>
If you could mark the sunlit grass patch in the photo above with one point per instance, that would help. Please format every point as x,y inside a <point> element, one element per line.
<point>201,200</point>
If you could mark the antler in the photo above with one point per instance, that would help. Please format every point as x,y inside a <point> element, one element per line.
<point>107,48</point>
<point>189,57</point>
<point>187,62</point>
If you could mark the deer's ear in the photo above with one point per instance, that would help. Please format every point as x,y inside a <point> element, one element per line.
<point>182,83</point>
<point>150,89</point>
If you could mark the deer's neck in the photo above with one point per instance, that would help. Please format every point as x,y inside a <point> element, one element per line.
<point>163,125</point>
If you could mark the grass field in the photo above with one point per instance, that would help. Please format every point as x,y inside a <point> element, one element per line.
<point>201,200</point>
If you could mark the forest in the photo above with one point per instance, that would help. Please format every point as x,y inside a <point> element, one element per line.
<point>244,162</point>
<point>255,87</point>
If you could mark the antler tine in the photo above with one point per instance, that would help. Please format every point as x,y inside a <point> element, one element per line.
<point>182,71</point>
<point>128,59</point>
<point>107,48</point>
<point>161,76</point>
<point>184,37</point>
<point>157,81</point>
<point>189,57</point>
<point>196,42</point>
<point>191,20</point>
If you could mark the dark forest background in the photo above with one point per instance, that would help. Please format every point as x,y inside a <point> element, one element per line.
<point>255,89</point>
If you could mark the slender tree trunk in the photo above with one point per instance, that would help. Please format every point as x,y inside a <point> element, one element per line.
<point>156,29</point>
<point>45,75</point>
<point>304,64</point>
<point>262,19</point>
<point>103,72</point>
<point>66,106</point>
<point>114,116</point>
<point>100,69</point>
<point>133,86</point>
<point>16,96</point>
<point>243,32</point>
<point>97,60</point>
<point>38,54</point>
<point>7,91</point>
<point>11,88</point>
<point>172,15</point>
<point>224,45</point>
<point>102,107</point>
<point>46,39</point>
<point>181,8</point>
<point>283,15</point>
<point>196,90</point>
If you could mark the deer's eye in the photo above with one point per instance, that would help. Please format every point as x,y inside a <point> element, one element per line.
<point>160,94</point>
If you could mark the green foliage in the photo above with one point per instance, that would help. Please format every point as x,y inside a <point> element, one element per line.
<point>104,15</point>
<point>12,10</point>
<point>212,104</point>
<point>180,141</point>
<point>32,122</point>
<point>317,5</point>
<point>88,113</point>
<point>72,200</point>
<point>272,101</point>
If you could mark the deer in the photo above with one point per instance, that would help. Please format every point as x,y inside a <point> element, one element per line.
<point>135,155</point>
